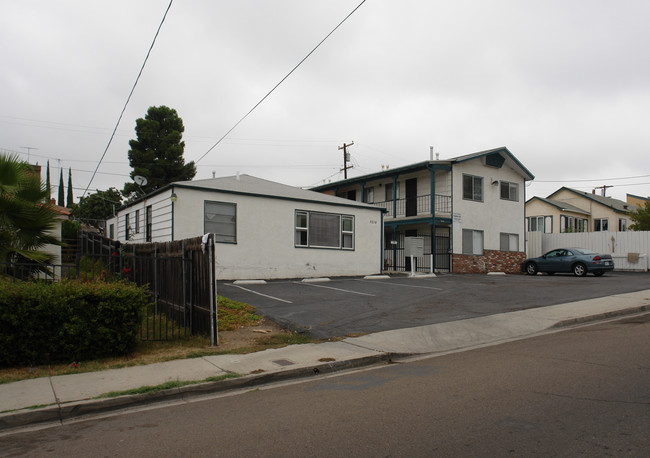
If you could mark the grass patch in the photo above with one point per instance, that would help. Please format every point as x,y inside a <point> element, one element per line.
<point>164,386</point>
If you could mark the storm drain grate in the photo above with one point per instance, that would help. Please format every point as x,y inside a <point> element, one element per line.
<point>283,362</point>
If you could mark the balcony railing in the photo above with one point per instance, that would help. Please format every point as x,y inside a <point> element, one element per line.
<point>423,206</point>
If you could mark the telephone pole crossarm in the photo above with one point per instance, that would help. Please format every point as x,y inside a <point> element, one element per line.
<point>346,158</point>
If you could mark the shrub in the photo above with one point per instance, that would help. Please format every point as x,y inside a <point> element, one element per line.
<point>43,323</point>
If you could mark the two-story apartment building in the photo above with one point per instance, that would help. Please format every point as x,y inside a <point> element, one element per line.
<point>469,210</point>
<point>570,210</point>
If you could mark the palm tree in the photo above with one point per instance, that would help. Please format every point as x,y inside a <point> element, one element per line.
<point>25,215</point>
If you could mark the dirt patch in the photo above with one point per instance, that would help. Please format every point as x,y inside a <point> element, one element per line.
<point>247,336</point>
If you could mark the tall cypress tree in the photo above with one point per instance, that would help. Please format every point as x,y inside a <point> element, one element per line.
<point>47,183</point>
<point>61,201</point>
<point>70,200</point>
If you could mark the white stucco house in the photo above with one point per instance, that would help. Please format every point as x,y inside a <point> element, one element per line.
<point>469,209</point>
<point>262,229</point>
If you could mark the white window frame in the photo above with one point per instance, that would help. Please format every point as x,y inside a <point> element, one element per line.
<point>346,231</point>
<point>477,238</point>
<point>599,226</point>
<point>224,219</point>
<point>508,242</point>
<point>476,193</point>
<point>622,224</point>
<point>370,195</point>
<point>510,188</point>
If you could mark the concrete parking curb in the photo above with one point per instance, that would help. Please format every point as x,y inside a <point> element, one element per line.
<point>63,412</point>
<point>600,316</point>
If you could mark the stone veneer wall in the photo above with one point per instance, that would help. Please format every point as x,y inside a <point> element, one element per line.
<point>491,261</point>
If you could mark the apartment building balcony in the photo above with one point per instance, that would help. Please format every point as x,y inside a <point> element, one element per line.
<point>418,206</point>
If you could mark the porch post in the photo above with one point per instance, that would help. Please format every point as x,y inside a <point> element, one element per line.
<point>394,197</point>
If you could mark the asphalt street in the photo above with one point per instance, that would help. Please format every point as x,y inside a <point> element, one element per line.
<point>579,392</point>
<point>352,306</point>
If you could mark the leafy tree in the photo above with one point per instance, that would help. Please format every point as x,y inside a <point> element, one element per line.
<point>25,214</point>
<point>641,218</point>
<point>97,207</point>
<point>61,201</point>
<point>70,199</point>
<point>157,154</point>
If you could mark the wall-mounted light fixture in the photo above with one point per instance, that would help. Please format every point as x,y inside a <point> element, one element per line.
<point>173,197</point>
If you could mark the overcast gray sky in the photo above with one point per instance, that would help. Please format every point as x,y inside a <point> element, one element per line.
<point>565,85</point>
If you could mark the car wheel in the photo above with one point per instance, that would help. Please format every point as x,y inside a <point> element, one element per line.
<point>579,269</point>
<point>599,274</point>
<point>531,268</point>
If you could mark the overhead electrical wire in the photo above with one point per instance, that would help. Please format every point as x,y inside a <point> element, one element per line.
<point>280,82</point>
<point>129,97</point>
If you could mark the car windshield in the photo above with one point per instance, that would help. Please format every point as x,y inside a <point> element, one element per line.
<point>584,251</point>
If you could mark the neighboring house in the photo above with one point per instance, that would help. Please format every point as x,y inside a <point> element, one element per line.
<point>637,201</point>
<point>55,250</point>
<point>569,210</point>
<point>263,229</point>
<point>468,209</point>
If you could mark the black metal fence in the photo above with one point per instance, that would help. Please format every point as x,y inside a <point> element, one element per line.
<point>394,258</point>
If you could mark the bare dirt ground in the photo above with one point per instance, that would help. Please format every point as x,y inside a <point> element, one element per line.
<point>247,336</point>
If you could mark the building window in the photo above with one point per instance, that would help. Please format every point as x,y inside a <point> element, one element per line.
<point>389,192</point>
<point>509,242</point>
<point>352,195</point>
<point>472,242</point>
<point>601,225</point>
<point>111,231</point>
<point>127,229</point>
<point>572,224</point>
<point>147,222</point>
<point>301,229</point>
<point>324,230</point>
<point>539,224</point>
<point>137,221</point>
<point>473,188</point>
<point>370,195</point>
<point>622,224</point>
<point>220,219</point>
<point>509,191</point>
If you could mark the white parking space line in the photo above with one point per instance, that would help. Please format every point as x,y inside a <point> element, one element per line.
<point>337,289</point>
<point>259,294</point>
<point>406,286</point>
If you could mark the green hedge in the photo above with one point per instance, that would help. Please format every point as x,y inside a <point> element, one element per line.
<point>42,323</point>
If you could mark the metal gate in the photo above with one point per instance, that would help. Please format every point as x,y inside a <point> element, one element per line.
<point>395,260</point>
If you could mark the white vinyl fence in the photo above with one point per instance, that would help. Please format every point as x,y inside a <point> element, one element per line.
<point>629,250</point>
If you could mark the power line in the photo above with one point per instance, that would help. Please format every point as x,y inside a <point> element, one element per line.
<point>129,97</point>
<point>598,179</point>
<point>281,81</point>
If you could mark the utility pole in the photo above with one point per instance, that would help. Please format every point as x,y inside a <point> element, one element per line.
<point>603,189</point>
<point>346,159</point>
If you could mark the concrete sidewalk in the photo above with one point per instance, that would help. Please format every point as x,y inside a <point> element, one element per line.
<point>60,398</point>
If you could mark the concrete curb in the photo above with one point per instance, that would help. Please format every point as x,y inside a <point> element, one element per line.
<point>600,316</point>
<point>61,413</point>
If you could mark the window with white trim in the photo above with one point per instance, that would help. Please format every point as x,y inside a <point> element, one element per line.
<point>473,188</point>
<point>472,242</point>
<point>622,224</point>
<point>509,191</point>
<point>137,221</point>
<point>220,219</point>
<point>572,224</point>
<point>601,225</point>
<point>370,195</point>
<point>509,242</point>
<point>323,230</point>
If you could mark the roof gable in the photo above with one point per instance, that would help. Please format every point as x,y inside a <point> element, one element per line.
<point>615,204</point>
<point>562,206</point>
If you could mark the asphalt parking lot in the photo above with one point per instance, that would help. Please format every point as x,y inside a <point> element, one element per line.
<point>349,306</point>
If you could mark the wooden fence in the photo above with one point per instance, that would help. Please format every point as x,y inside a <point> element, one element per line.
<point>180,276</point>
